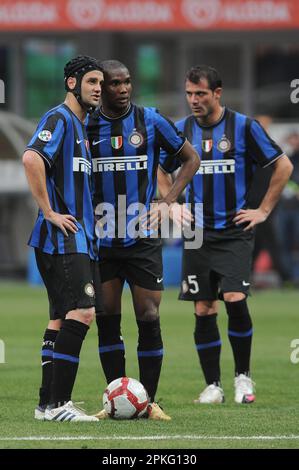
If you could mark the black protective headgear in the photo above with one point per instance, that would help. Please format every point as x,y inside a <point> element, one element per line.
<point>77,68</point>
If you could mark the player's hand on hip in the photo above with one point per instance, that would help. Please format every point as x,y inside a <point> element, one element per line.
<point>65,222</point>
<point>251,217</point>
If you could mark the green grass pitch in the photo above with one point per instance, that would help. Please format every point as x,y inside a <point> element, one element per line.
<point>271,422</point>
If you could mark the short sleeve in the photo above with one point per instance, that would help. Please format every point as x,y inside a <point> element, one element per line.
<point>168,163</point>
<point>168,136</point>
<point>48,137</point>
<point>261,148</point>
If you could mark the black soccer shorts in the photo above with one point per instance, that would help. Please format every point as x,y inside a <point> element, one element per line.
<point>72,281</point>
<point>222,264</point>
<point>139,264</point>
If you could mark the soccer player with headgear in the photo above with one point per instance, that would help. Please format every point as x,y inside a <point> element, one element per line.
<point>57,163</point>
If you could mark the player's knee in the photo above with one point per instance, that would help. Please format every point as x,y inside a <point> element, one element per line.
<point>147,307</point>
<point>233,296</point>
<point>84,315</point>
<point>148,313</point>
<point>88,315</point>
<point>204,313</point>
<point>54,325</point>
<point>206,307</point>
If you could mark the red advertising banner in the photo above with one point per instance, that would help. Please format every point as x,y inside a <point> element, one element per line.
<point>121,15</point>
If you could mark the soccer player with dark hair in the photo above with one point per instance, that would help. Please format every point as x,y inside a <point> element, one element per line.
<point>231,146</point>
<point>58,168</point>
<point>125,142</point>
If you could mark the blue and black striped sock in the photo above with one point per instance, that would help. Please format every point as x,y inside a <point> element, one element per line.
<point>66,360</point>
<point>208,345</point>
<point>240,334</point>
<point>47,367</point>
<point>111,346</point>
<point>150,355</point>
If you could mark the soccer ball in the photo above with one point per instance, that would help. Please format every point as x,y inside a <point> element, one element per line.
<point>125,398</point>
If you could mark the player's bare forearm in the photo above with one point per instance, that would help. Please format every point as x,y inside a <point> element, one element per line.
<point>170,191</point>
<point>164,182</point>
<point>178,213</point>
<point>36,177</point>
<point>190,164</point>
<point>282,171</point>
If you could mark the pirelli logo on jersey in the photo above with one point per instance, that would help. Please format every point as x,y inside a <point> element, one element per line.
<point>125,163</point>
<point>82,165</point>
<point>208,167</point>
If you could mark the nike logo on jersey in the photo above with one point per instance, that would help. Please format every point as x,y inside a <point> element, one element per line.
<point>79,141</point>
<point>159,280</point>
<point>96,142</point>
<point>46,362</point>
<point>125,163</point>
<point>245,284</point>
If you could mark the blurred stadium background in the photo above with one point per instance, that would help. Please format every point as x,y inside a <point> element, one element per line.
<point>254,45</point>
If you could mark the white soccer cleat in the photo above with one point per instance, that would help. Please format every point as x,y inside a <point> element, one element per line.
<point>68,412</point>
<point>39,413</point>
<point>211,394</point>
<point>244,389</point>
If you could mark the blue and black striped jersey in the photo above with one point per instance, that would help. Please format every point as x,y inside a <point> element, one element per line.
<point>230,151</point>
<point>61,140</point>
<point>125,157</point>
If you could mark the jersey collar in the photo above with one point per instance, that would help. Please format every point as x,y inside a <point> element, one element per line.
<point>223,114</point>
<point>121,116</point>
<point>72,113</point>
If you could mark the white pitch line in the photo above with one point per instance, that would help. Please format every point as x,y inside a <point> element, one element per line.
<point>149,438</point>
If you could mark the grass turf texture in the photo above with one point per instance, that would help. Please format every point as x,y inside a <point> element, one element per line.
<point>275,413</point>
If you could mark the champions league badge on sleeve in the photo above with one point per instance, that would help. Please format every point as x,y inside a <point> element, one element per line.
<point>45,136</point>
